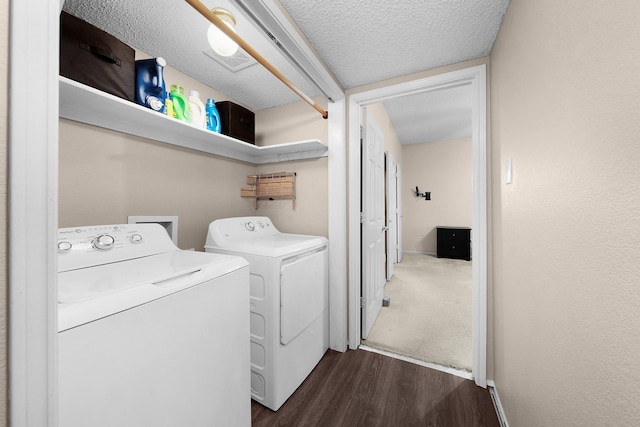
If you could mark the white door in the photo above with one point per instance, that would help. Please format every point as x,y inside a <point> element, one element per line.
<point>373,222</point>
<point>392,197</point>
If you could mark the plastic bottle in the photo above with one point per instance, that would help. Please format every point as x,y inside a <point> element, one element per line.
<point>213,117</point>
<point>150,86</point>
<point>180,103</point>
<point>168,104</point>
<point>196,110</point>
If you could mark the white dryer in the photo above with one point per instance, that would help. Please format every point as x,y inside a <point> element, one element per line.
<point>150,335</point>
<point>289,302</point>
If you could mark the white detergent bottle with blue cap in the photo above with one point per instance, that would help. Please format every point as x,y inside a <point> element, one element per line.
<point>213,116</point>
<point>196,110</point>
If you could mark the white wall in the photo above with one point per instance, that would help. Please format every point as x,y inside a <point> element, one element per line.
<point>565,103</point>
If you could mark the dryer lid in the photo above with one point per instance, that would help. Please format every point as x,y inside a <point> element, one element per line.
<point>257,236</point>
<point>275,246</point>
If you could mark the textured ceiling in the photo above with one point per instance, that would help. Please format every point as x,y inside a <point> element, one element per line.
<point>368,41</point>
<point>361,42</point>
<point>433,116</point>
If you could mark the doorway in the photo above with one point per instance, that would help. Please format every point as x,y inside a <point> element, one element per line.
<point>429,315</point>
<point>476,77</point>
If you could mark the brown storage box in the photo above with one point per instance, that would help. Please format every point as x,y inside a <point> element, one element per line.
<point>89,55</point>
<point>237,122</point>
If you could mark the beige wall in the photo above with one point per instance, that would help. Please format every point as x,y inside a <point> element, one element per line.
<point>4,65</point>
<point>310,214</point>
<point>445,169</point>
<point>288,123</point>
<point>292,122</point>
<point>565,107</point>
<point>106,176</point>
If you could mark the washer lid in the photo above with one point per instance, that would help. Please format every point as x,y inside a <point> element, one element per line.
<point>278,245</point>
<point>92,293</point>
<point>94,282</point>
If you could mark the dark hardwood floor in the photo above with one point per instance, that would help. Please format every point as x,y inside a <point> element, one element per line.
<point>361,388</point>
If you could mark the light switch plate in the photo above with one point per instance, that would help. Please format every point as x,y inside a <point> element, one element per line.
<point>508,171</point>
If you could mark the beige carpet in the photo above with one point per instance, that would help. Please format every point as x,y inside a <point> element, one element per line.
<point>429,318</point>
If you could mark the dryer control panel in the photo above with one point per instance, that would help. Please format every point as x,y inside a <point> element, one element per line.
<point>80,247</point>
<point>224,230</point>
<point>259,225</point>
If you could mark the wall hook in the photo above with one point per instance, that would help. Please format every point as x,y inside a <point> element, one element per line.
<point>426,194</point>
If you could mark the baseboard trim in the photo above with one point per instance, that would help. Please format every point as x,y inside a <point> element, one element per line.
<point>420,253</point>
<point>493,391</point>
<point>453,371</point>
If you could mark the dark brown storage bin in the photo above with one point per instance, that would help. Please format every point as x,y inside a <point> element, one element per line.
<point>237,122</point>
<point>90,56</point>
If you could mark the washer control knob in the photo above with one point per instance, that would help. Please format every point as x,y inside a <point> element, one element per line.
<point>260,224</point>
<point>64,247</point>
<point>104,242</point>
<point>250,226</point>
<point>135,238</point>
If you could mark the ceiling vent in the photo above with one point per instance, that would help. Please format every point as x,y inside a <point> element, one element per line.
<point>234,63</point>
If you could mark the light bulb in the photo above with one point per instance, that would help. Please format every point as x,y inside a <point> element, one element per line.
<point>219,41</point>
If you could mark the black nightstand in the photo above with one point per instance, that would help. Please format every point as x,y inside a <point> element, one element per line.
<point>454,242</point>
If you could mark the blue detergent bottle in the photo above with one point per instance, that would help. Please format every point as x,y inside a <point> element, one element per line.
<point>150,86</point>
<point>212,116</point>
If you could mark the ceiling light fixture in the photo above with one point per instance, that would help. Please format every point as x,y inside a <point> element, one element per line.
<point>219,41</point>
<point>231,33</point>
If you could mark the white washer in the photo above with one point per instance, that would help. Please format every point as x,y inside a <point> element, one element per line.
<point>150,335</point>
<point>289,302</point>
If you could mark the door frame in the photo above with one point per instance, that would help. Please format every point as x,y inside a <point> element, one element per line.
<point>33,212</point>
<point>476,78</point>
<point>391,213</point>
